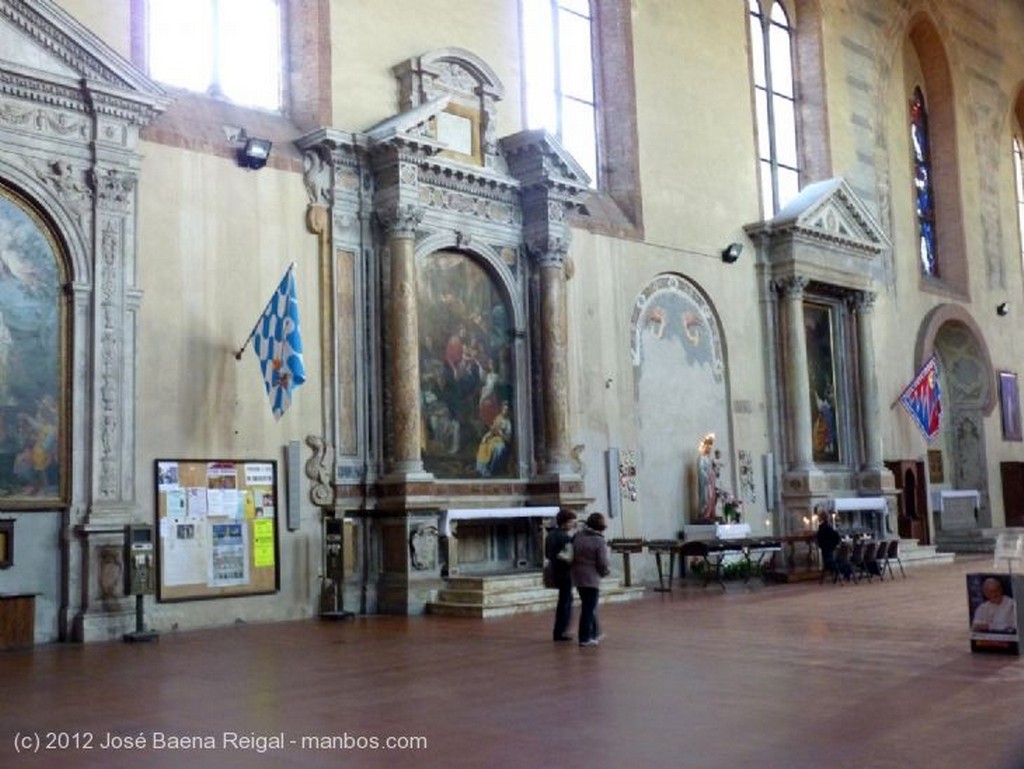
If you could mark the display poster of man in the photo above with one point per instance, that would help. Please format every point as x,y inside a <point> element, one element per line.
<point>993,613</point>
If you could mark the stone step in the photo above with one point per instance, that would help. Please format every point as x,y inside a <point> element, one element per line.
<point>504,595</point>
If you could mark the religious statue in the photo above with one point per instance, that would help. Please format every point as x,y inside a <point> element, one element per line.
<point>707,478</point>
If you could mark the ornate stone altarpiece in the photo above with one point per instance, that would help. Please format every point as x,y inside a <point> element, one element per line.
<point>70,113</point>
<point>820,259</point>
<point>435,179</point>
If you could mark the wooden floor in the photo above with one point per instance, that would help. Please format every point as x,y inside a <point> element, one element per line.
<point>869,676</point>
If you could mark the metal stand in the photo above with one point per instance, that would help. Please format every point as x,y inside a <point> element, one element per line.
<point>140,634</point>
<point>331,601</point>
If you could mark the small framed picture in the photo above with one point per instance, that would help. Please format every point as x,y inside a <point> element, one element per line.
<point>1009,400</point>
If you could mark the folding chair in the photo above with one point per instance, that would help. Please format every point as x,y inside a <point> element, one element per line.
<point>893,554</point>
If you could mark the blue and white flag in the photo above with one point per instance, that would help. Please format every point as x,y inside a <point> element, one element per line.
<point>278,346</point>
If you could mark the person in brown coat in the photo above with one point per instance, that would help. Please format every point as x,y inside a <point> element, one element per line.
<point>590,562</point>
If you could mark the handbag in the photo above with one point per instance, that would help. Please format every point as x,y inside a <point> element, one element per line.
<point>566,553</point>
<point>549,575</point>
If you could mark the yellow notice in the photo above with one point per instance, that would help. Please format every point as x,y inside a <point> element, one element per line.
<point>262,542</point>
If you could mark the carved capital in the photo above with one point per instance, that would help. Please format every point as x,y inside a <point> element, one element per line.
<point>401,221</point>
<point>115,189</point>
<point>790,287</point>
<point>861,301</point>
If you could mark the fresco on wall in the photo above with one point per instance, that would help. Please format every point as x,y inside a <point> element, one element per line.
<point>30,360</point>
<point>822,372</point>
<point>466,376</point>
<point>681,396</point>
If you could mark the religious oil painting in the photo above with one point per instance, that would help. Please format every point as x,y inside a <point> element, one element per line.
<point>1009,398</point>
<point>821,370</point>
<point>31,354</point>
<point>466,376</point>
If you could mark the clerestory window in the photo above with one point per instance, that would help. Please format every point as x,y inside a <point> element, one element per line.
<point>924,199</point>
<point>1018,178</point>
<point>775,103</point>
<point>558,58</point>
<point>229,49</point>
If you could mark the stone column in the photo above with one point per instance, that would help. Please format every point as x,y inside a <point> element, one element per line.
<point>798,388</point>
<point>553,326</point>
<point>403,368</point>
<point>862,304</point>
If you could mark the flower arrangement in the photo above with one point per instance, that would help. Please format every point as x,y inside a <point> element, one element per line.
<point>732,506</point>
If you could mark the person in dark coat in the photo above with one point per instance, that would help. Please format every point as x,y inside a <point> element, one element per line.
<point>590,562</point>
<point>558,537</point>
<point>828,540</point>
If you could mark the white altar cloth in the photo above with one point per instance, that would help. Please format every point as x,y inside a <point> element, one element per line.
<point>483,513</point>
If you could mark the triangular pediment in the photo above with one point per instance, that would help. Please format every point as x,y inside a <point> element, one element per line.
<point>831,212</point>
<point>47,55</point>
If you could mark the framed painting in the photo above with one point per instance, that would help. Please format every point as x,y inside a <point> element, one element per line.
<point>466,370</point>
<point>1009,400</point>
<point>33,435</point>
<point>821,370</point>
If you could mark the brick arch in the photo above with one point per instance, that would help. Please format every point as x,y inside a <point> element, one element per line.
<point>931,327</point>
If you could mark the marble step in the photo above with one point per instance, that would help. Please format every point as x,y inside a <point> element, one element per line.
<point>505,595</point>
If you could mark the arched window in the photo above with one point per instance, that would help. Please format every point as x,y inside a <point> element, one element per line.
<point>924,199</point>
<point>775,102</point>
<point>559,65</point>
<point>1018,178</point>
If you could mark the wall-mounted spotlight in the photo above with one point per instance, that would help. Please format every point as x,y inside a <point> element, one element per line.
<point>251,152</point>
<point>254,153</point>
<point>732,252</point>
<point>1003,308</point>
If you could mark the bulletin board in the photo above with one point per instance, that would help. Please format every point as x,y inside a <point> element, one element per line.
<point>216,528</point>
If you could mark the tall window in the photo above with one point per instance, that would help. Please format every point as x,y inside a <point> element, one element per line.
<point>229,49</point>
<point>559,67</point>
<point>772,61</point>
<point>924,198</point>
<point>1018,177</point>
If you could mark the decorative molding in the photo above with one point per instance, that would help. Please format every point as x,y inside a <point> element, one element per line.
<point>320,470</point>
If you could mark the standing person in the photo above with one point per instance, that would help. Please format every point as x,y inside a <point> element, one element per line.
<point>558,537</point>
<point>590,562</point>
<point>828,540</point>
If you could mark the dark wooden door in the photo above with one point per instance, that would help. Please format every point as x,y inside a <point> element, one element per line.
<point>1013,492</point>
<point>912,502</point>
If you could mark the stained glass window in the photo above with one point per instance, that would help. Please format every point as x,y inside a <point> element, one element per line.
<point>923,197</point>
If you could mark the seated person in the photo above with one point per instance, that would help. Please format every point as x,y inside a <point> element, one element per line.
<point>828,540</point>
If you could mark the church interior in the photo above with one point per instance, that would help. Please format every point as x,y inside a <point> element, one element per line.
<point>326,307</point>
